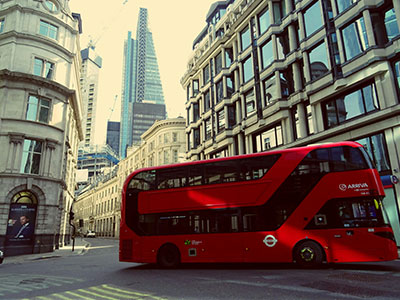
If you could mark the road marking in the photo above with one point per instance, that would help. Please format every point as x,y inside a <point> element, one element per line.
<point>101,292</point>
<point>61,296</point>
<point>28,283</point>
<point>77,295</point>
<point>125,296</point>
<point>96,294</point>
<point>130,292</point>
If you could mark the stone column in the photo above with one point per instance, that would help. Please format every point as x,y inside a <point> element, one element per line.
<point>240,143</point>
<point>302,114</point>
<point>369,28</point>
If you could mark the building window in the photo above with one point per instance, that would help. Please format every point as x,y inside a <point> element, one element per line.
<point>196,133</point>
<point>391,25</point>
<point>342,5</point>
<point>279,9</point>
<point>188,92</point>
<point>250,103</point>
<point>166,157</point>
<point>1,25</point>
<point>270,92</point>
<point>245,38</point>
<point>310,124</point>
<point>355,39</point>
<point>218,63</point>
<point>282,44</point>
<point>296,122</point>
<point>268,139</point>
<point>48,30</point>
<point>174,137</point>
<point>230,86</point>
<point>51,6</point>
<point>175,156</point>
<point>397,72</point>
<point>247,69</point>
<point>231,116</point>
<point>313,19</point>
<point>189,115</point>
<point>31,154</point>
<point>219,91</point>
<point>208,129</point>
<point>318,61</point>
<point>376,147</point>
<point>263,21</point>
<point>195,87</point>
<point>287,83</point>
<point>166,140</point>
<point>267,54</point>
<point>228,57</point>
<point>347,107</point>
<point>38,109</point>
<point>220,120</point>
<point>43,68</point>
<point>196,112</point>
<point>206,74</point>
<point>207,101</point>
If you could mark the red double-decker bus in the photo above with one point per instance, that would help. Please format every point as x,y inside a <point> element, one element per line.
<point>315,204</point>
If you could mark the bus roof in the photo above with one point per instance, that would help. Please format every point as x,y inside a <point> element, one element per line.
<point>306,148</point>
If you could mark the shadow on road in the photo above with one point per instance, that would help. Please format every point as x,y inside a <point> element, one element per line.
<point>377,267</point>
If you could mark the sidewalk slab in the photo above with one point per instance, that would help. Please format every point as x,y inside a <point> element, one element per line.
<point>80,247</point>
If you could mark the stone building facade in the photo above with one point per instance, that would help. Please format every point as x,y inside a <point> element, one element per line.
<point>40,123</point>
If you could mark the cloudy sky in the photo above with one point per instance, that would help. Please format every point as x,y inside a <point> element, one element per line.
<point>174,24</point>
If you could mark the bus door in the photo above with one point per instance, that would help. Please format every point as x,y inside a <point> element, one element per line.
<point>260,246</point>
<point>218,238</point>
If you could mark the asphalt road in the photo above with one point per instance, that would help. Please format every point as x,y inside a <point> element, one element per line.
<point>97,274</point>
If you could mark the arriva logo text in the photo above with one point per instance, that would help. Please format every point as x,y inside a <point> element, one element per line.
<point>353,186</point>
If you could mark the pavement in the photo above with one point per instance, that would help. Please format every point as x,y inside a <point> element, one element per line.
<point>81,246</point>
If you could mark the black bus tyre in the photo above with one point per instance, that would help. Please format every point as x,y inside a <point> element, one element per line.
<point>168,256</point>
<point>309,254</point>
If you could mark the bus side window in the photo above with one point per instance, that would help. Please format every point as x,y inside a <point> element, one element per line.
<point>249,222</point>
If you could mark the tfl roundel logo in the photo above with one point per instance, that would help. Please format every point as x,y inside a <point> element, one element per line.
<point>270,240</point>
<point>342,187</point>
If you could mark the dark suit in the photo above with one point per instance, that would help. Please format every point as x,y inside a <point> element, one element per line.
<point>25,231</point>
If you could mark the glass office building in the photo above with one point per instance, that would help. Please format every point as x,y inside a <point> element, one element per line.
<point>141,84</point>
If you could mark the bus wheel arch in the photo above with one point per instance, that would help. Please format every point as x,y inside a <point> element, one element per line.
<point>168,256</point>
<point>308,253</point>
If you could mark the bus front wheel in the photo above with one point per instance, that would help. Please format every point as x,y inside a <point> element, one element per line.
<point>168,256</point>
<point>308,254</point>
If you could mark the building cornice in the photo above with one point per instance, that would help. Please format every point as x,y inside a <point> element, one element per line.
<point>42,40</point>
<point>7,75</point>
<point>162,124</point>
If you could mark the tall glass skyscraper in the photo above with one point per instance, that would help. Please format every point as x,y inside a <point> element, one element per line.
<point>142,100</point>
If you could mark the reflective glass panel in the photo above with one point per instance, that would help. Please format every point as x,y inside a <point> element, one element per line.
<point>318,61</point>
<point>267,54</point>
<point>264,21</point>
<point>247,69</point>
<point>313,19</point>
<point>392,28</point>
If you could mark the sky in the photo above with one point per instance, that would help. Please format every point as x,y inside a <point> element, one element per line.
<point>174,25</point>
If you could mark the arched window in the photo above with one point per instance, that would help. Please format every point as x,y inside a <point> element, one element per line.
<point>24,197</point>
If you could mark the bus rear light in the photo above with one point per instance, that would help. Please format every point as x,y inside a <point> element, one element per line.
<point>386,234</point>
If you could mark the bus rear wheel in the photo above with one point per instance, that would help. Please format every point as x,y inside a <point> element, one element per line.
<point>168,256</point>
<point>309,254</point>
